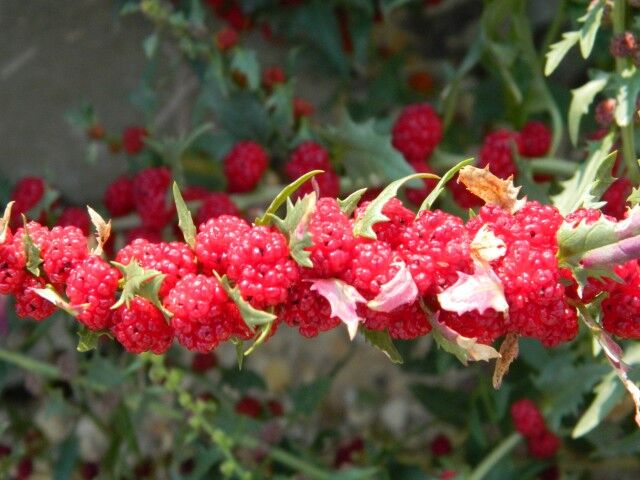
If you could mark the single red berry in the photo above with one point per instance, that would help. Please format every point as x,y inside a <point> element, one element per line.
<point>272,76</point>
<point>75,217</point>
<point>89,470</point>
<point>39,235</point>
<point>399,217</point>
<point>67,247</point>
<point>441,446</point>
<point>26,194</point>
<point>308,311</point>
<point>417,132</point>
<point>214,205</point>
<point>214,239</point>
<point>91,289</point>
<point>621,310</point>
<point>616,198</point>
<point>259,263</point>
<point>237,18</point>
<point>29,303</point>
<point>310,156</point>
<point>302,108</point>
<point>605,111</point>
<point>118,198</point>
<point>527,419</point>
<point>244,166</point>
<point>203,362</point>
<point>150,189</point>
<point>544,445</point>
<point>12,263</point>
<point>249,407</point>
<point>534,139</point>
<point>373,264</point>
<point>623,44</point>
<point>133,139</point>
<point>275,408</point>
<point>496,153</point>
<point>226,39</point>
<point>141,327</point>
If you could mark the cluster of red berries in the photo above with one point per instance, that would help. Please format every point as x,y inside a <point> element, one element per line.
<point>529,422</point>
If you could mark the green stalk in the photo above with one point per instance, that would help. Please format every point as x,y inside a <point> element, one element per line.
<point>491,460</point>
<point>626,133</point>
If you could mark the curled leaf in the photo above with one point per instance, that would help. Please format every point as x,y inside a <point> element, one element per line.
<point>435,193</point>
<point>4,222</point>
<point>382,341</point>
<point>349,204</point>
<point>398,291</point>
<point>509,350</point>
<point>251,316</point>
<point>103,230</point>
<point>139,281</point>
<point>493,190</point>
<point>486,247</point>
<point>281,198</point>
<point>343,299</point>
<point>185,221</point>
<point>88,339</point>
<point>480,291</point>
<point>295,226</point>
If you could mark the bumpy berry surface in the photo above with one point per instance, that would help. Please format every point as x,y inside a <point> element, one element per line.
<point>496,153</point>
<point>527,419</point>
<point>312,156</point>
<point>149,189</point>
<point>213,240</point>
<point>39,235</point>
<point>75,217</point>
<point>417,132</point>
<point>373,264</point>
<point>133,139</point>
<point>332,236</point>
<point>621,310</point>
<point>244,166</point>
<point>141,327</point>
<point>12,263</point>
<point>399,217</point>
<point>118,197</point>
<point>485,327</point>
<point>67,247</point>
<point>616,198</point>
<point>534,139</point>
<point>29,303</point>
<point>308,311</point>
<point>91,288</point>
<point>406,322</point>
<point>259,263</point>
<point>214,205</point>
<point>543,446</point>
<point>435,248</point>
<point>202,316</point>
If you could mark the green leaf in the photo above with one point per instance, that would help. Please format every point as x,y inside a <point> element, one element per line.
<point>295,226</point>
<point>50,294</point>
<point>581,100</point>
<point>4,222</point>
<point>608,392</point>
<point>591,23</point>
<point>633,199</point>
<point>435,193</point>
<point>591,180</point>
<point>150,44</point>
<point>349,204</point>
<point>363,226</point>
<point>282,197</point>
<point>31,251</point>
<point>382,341</point>
<point>558,50</point>
<point>365,153</point>
<point>142,282</point>
<point>251,316</point>
<point>246,62</point>
<point>88,339</point>
<point>628,87</point>
<point>185,221</point>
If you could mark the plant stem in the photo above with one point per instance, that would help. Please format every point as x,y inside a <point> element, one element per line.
<point>495,456</point>
<point>626,132</point>
<point>557,166</point>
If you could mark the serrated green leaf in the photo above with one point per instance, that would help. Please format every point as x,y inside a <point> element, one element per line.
<point>139,281</point>
<point>31,250</point>
<point>365,153</point>
<point>363,226</point>
<point>295,227</point>
<point>591,23</point>
<point>591,180</point>
<point>628,86</point>
<point>349,204</point>
<point>251,316</point>
<point>382,341</point>
<point>265,330</point>
<point>435,193</point>
<point>88,339</point>
<point>185,220</point>
<point>282,197</point>
<point>581,100</point>
<point>558,50</point>
<point>246,62</point>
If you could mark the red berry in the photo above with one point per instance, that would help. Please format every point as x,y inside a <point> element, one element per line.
<point>249,407</point>
<point>141,327</point>
<point>275,408</point>
<point>24,469</point>
<point>417,132</point>
<point>203,316</point>
<point>12,263</point>
<point>226,39</point>
<point>244,166</point>
<point>421,82</point>
<point>89,470</point>
<point>485,327</point>
<point>133,139</point>
<point>621,310</point>
<point>534,139</point>
<point>373,263</point>
<point>309,156</point>
<point>39,235</point>
<point>149,189</point>
<point>496,153</point>
<point>605,111</point>
<point>272,76</point>
<point>67,247</point>
<point>75,217</point>
<point>26,194</point>
<point>118,198</point>
<point>308,311</point>
<point>527,419</point>
<point>399,217</point>
<point>544,445</point>
<point>214,205</point>
<point>302,108</point>
<point>616,198</point>
<point>259,263</point>
<point>29,303</point>
<point>91,288</point>
<point>406,322</point>
<point>203,362</point>
<point>214,239</point>
<point>623,44</point>
<point>441,446</point>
